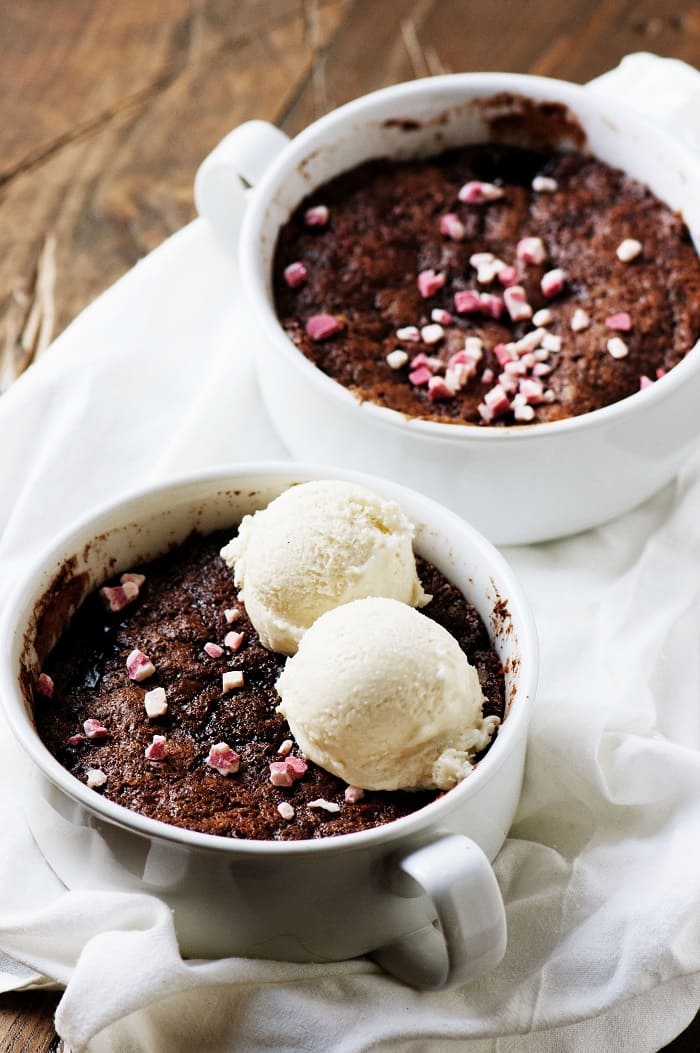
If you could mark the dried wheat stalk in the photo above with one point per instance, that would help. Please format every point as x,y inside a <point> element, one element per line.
<point>29,323</point>
<point>318,61</point>
<point>425,60</point>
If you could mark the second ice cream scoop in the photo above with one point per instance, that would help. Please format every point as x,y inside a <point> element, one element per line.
<point>385,698</point>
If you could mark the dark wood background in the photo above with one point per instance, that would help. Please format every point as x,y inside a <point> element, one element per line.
<point>106,110</point>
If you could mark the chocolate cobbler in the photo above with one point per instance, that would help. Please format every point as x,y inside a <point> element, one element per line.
<point>490,285</point>
<point>161,697</point>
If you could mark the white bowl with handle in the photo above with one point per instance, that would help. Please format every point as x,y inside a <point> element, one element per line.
<point>418,893</point>
<point>516,484</point>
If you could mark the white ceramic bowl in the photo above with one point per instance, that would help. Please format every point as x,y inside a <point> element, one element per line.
<point>516,484</point>
<point>376,891</point>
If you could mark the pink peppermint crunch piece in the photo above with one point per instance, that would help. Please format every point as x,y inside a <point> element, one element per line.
<point>94,729</point>
<point>75,740</point>
<point>451,226</point>
<point>288,771</point>
<point>279,776</point>
<point>477,193</point>
<point>628,250</point>
<point>317,216</point>
<point>133,577</point>
<point>420,377</point>
<point>516,303</point>
<point>579,320</point>
<point>322,804</point>
<point>213,650</point>
<point>487,270</point>
<point>544,184</point>
<point>491,305</point>
<point>321,326</point>
<point>223,759</point>
<point>486,275</point>
<point>139,666</point>
<point>117,597</point>
<point>234,641</point>
<point>481,259</point>
<point>617,347</point>
<point>297,766</point>
<point>530,341</point>
<point>438,389</point>
<point>507,383</point>
<point>522,411</point>
<point>467,301</point>
<point>285,748</point>
<point>232,614</point>
<point>44,685</point>
<point>429,282</point>
<point>503,353</point>
<point>295,274</point>
<point>353,794</point>
<point>508,275</point>
<point>95,778</point>
<point>156,750</point>
<point>644,382</point>
<point>396,358</point>
<point>553,282</point>
<point>286,810</point>
<point>543,317</point>
<point>551,342</point>
<point>474,348</point>
<point>432,334</point>
<point>456,377</point>
<point>155,702</point>
<point>531,250</point>
<point>409,334</point>
<point>497,399</point>
<point>531,390</point>
<point>621,322</point>
<point>232,680</point>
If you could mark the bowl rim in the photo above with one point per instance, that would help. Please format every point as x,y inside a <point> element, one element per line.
<point>303,145</point>
<point>429,816</point>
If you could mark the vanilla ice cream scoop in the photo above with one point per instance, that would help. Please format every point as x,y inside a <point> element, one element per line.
<point>317,546</point>
<point>384,697</point>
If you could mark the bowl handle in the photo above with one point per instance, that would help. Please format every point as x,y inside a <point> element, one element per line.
<point>226,175</point>
<point>471,937</point>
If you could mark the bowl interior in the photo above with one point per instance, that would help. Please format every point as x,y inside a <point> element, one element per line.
<point>146,526</point>
<point>428,116</point>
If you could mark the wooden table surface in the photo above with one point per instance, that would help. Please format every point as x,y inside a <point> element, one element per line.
<point>106,109</point>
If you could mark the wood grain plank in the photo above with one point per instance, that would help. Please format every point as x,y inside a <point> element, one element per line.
<point>112,196</point>
<point>575,41</point>
<point>615,31</point>
<point>67,65</point>
<point>418,37</point>
<point>358,60</point>
<point>26,1021</point>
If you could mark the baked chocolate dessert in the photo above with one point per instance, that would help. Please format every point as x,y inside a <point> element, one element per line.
<point>490,285</point>
<point>177,630</point>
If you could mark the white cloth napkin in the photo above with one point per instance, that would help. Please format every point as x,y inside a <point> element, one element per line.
<point>601,872</point>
